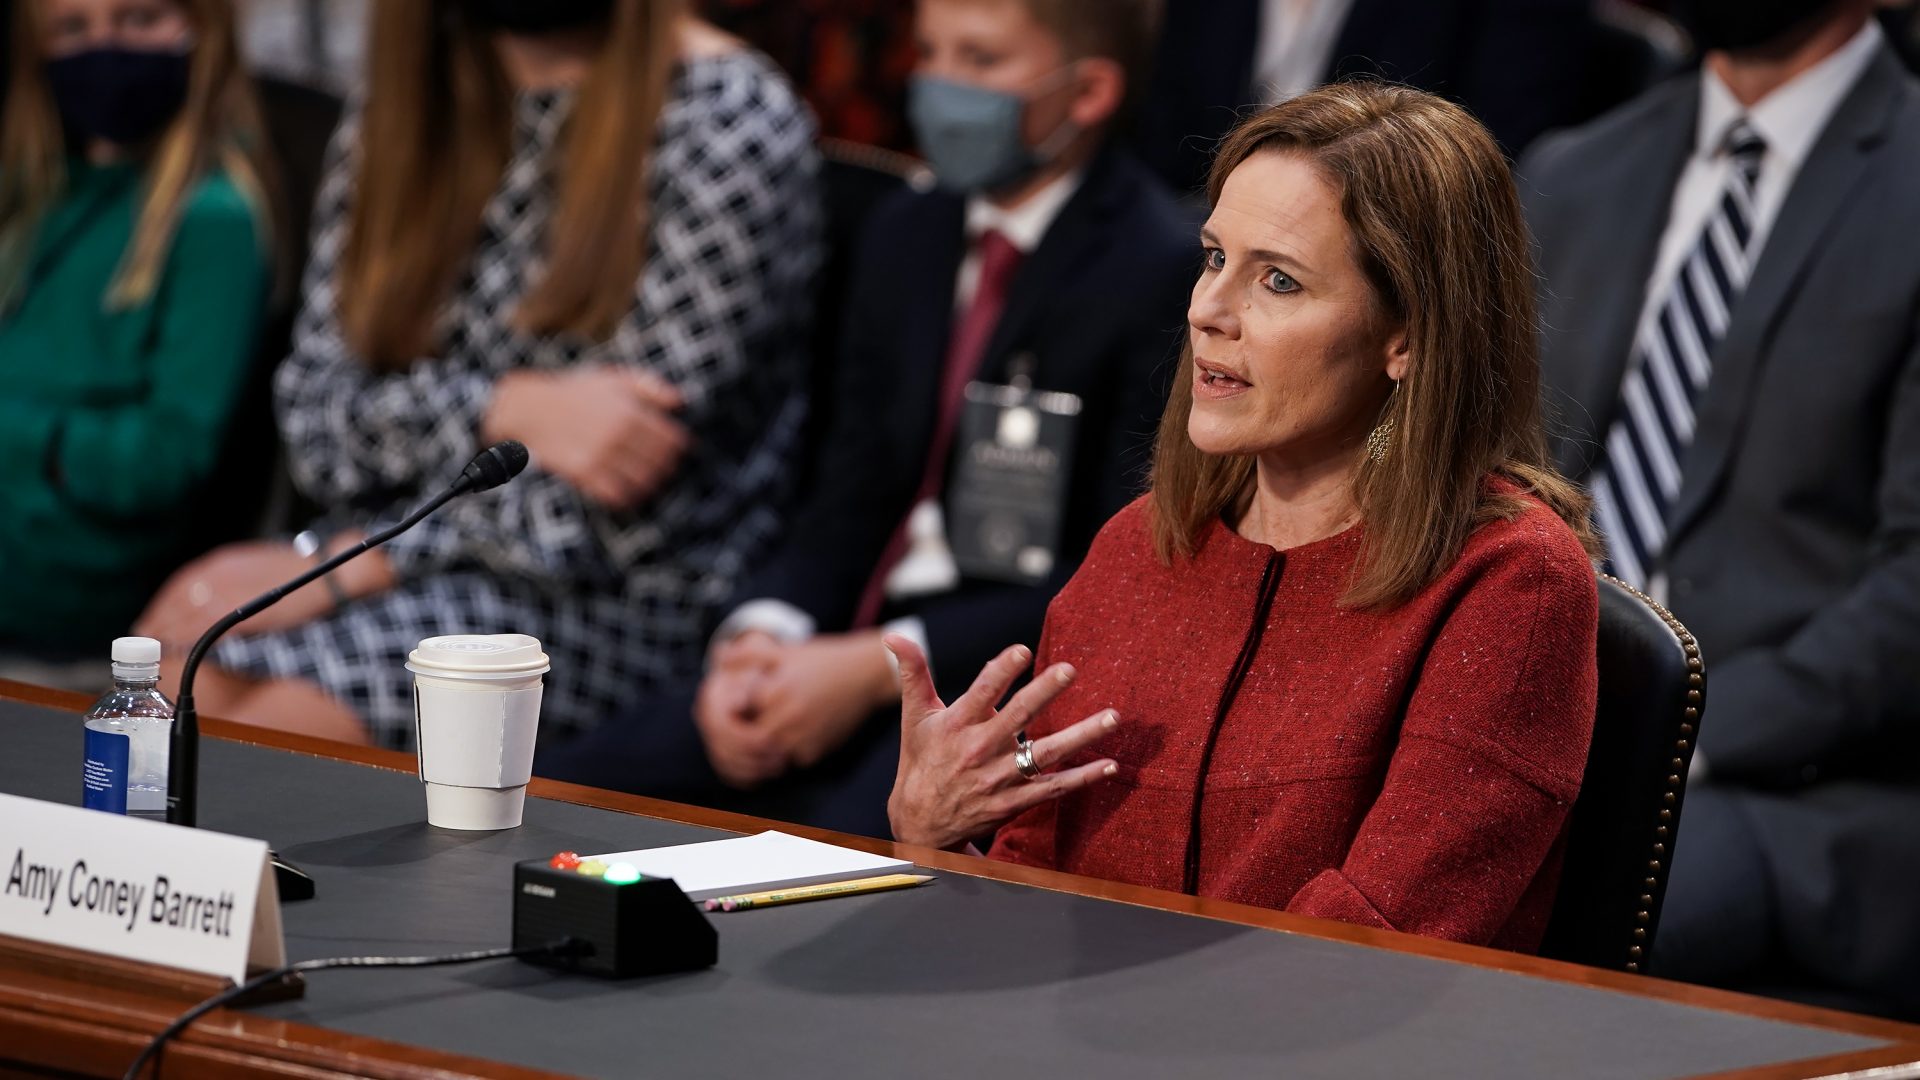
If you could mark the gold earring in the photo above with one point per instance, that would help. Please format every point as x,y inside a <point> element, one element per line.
<point>1380,439</point>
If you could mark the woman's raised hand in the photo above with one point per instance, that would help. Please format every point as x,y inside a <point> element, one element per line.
<point>957,776</point>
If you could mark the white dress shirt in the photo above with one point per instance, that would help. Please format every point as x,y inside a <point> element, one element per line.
<point>1024,226</point>
<point>1297,39</point>
<point>928,567</point>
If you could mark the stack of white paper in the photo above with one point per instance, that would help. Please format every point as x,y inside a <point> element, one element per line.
<point>762,863</point>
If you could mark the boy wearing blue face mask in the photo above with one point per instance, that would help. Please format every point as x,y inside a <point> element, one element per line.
<point>1025,313</point>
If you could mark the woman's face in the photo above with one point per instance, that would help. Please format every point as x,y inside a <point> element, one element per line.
<point>1292,358</point>
<point>73,26</point>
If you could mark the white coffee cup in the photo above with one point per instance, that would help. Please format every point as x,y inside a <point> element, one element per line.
<point>476,708</point>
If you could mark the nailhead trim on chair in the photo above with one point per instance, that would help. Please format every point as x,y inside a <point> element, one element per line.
<point>879,159</point>
<point>1657,867</point>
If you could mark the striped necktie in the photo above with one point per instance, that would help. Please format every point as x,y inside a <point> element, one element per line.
<point>1635,485</point>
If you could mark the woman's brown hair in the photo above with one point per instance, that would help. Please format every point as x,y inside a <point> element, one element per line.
<point>218,126</point>
<point>1438,231</point>
<point>434,138</point>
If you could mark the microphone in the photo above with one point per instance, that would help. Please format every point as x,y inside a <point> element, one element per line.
<point>490,468</point>
<point>493,466</point>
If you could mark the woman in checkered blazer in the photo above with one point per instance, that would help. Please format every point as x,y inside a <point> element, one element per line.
<point>590,225</point>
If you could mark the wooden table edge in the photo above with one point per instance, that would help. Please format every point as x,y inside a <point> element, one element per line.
<point>51,1032</point>
<point>1904,1038</point>
<point>1860,1064</point>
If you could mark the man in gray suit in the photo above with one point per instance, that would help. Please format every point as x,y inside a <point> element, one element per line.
<point>1732,356</point>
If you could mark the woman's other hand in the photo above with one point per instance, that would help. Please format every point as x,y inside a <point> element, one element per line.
<point>957,778</point>
<point>214,584</point>
<point>609,431</point>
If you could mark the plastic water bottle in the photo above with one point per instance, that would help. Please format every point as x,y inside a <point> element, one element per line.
<point>125,771</point>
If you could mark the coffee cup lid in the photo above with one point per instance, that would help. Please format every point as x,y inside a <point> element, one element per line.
<point>479,656</point>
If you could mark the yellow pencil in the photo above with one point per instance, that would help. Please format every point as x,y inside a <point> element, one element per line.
<point>816,892</point>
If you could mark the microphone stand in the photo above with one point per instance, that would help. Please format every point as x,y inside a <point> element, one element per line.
<point>183,752</point>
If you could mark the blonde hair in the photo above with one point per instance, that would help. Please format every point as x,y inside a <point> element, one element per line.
<point>433,142</point>
<point>1437,228</point>
<point>218,126</point>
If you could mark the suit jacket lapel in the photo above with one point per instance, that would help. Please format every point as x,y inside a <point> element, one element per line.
<point>1835,166</point>
<point>1063,252</point>
<point>926,318</point>
<point>1610,302</point>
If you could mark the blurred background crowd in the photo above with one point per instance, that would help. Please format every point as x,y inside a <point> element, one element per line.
<point>738,272</point>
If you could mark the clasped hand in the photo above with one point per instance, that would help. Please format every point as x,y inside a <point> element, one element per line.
<point>766,706</point>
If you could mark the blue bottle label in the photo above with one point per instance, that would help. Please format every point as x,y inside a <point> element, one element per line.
<point>105,772</point>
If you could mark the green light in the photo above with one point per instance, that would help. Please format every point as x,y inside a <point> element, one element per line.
<point>621,874</point>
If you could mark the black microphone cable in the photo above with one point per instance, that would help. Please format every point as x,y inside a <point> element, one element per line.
<point>564,948</point>
<point>490,468</point>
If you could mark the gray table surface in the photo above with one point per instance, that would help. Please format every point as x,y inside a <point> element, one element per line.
<point>961,978</point>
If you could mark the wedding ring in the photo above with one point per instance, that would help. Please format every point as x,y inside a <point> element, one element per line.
<point>1023,762</point>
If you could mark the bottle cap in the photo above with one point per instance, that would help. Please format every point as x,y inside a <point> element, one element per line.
<point>136,650</point>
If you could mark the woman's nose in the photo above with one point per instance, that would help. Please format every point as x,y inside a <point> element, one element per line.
<point>1210,310</point>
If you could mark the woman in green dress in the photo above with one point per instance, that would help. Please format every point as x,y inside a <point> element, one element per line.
<point>134,267</point>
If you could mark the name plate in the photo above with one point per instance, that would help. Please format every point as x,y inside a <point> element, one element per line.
<point>137,889</point>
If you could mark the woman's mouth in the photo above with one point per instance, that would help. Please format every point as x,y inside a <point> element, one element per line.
<point>1212,381</point>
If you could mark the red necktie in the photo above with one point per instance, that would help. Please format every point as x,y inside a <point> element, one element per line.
<point>999,260</point>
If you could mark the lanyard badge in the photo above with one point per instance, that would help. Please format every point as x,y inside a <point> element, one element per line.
<point>1009,487</point>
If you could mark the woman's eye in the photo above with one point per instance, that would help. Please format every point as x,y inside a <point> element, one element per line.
<point>1216,259</point>
<point>66,30</point>
<point>1276,281</point>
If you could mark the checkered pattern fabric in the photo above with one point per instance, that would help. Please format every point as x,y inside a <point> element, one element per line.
<point>620,599</point>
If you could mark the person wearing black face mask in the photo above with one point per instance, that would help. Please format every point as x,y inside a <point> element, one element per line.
<point>134,267</point>
<point>1747,25</point>
<point>589,227</point>
<point>116,95</point>
<point>1731,281</point>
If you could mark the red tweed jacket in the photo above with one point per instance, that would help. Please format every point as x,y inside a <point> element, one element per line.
<point>1410,769</point>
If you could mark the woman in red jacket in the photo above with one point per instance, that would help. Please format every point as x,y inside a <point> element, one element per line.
<point>1340,659</point>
